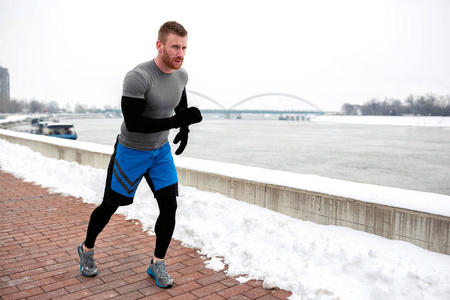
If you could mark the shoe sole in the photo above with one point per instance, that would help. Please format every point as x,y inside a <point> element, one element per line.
<point>79,255</point>
<point>150,273</point>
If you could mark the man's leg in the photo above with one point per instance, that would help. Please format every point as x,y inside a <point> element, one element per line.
<point>103,213</point>
<point>99,218</point>
<point>163,180</point>
<point>165,225</point>
<point>117,193</point>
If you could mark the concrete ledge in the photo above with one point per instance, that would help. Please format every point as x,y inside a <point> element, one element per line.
<point>426,230</point>
<point>96,156</point>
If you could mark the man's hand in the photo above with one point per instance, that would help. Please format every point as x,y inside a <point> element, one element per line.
<point>183,137</point>
<point>186,117</point>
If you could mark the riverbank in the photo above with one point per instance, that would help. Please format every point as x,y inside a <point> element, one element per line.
<point>387,120</point>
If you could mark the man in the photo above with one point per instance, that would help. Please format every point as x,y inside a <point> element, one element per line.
<point>151,93</point>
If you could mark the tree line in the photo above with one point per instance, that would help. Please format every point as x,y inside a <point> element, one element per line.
<point>36,106</point>
<point>426,105</point>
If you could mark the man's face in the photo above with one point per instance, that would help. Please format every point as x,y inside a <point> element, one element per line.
<point>173,51</point>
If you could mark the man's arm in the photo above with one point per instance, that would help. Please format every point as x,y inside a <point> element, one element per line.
<point>183,135</point>
<point>133,108</point>
<point>183,102</point>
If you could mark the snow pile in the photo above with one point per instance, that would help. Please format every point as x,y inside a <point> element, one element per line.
<point>312,261</point>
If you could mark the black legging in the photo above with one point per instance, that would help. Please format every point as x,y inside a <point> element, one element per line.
<point>164,227</point>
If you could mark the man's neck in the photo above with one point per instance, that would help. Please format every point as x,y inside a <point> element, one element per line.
<point>162,66</point>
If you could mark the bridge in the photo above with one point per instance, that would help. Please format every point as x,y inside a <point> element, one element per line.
<point>269,102</point>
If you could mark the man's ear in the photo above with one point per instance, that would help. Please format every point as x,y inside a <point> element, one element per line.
<point>159,45</point>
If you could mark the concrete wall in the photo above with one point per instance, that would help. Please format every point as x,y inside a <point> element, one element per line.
<point>425,230</point>
<point>73,151</point>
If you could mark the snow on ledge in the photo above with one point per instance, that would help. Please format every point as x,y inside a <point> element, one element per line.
<point>60,141</point>
<point>396,197</point>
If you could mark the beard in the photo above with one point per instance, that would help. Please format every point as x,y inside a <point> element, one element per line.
<point>169,61</point>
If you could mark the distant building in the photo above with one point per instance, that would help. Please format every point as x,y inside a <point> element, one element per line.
<point>4,86</point>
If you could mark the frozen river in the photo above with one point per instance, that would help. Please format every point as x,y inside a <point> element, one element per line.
<point>409,157</point>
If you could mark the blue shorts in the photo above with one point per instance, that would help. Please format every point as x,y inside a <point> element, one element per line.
<point>127,168</point>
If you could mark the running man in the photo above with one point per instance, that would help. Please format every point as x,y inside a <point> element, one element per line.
<point>152,91</point>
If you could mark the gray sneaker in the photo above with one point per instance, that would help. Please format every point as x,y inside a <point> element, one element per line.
<point>87,263</point>
<point>158,270</point>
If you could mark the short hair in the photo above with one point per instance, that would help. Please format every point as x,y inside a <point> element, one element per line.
<point>170,27</point>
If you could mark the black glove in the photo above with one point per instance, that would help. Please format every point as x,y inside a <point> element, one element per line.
<point>186,117</point>
<point>183,137</point>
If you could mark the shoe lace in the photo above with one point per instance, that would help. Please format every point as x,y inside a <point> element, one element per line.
<point>89,259</point>
<point>161,269</point>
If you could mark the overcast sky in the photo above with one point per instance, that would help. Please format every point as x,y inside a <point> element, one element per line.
<point>327,52</point>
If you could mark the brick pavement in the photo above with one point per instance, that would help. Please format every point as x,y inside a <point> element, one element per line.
<point>39,234</point>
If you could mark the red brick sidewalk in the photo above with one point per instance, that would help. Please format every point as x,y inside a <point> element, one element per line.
<point>39,234</point>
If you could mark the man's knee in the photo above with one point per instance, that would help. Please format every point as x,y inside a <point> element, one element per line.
<point>167,204</point>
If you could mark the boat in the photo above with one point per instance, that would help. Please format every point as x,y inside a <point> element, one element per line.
<point>53,129</point>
